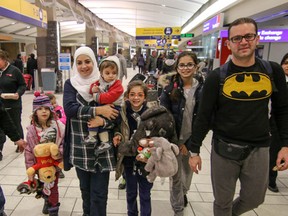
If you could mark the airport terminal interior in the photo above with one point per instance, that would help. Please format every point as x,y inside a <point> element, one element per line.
<point>53,29</point>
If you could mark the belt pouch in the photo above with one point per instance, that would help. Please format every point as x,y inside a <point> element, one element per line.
<point>231,151</point>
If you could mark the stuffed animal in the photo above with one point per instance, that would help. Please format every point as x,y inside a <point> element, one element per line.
<point>46,156</point>
<point>155,122</point>
<point>144,150</point>
<point>162,162</point>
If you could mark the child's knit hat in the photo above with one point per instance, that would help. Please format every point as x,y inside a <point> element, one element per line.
<point>41,101</point>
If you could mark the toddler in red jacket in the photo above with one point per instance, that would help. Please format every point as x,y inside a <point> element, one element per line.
<point>107,90</point>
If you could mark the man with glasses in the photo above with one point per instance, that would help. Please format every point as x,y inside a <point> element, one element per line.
<point>238,112</point>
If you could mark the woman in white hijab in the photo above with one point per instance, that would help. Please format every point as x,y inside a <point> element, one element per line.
<point>92,172</point>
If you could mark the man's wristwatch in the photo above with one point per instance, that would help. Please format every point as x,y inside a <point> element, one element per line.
<point>193,154</point>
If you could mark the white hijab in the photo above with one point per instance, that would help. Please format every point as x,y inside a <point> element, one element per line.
<point>82,84</point>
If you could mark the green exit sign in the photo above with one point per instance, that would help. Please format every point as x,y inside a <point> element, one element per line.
<point>187,35</point>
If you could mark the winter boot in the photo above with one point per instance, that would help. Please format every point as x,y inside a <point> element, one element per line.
<point>46,206</point>
<point>53,211</point>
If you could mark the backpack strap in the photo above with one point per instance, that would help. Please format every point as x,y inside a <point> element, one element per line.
<point>269,70</point>
<point>223,73</point>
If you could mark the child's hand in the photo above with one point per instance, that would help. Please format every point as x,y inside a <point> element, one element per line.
<point>31,178</point>
<point>95,89</point>
<point>95,122</point>
<point>116,140</point>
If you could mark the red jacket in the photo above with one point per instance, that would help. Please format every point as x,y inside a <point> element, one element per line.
<point>111,95</point>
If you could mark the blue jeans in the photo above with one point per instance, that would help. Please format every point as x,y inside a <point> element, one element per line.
<point>94,191</point>
<point>132,182</point>
<point>2,200</point>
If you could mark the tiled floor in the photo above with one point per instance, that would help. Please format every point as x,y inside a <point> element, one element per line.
<point>200,196</point>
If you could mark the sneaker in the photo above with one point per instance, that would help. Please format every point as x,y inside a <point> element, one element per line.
<point>273,188</point>
<point>185,200</point>
<point>90,140</point>
<point>1,156</point>
<point>61,174</point>
<point>122,184</point>
<point>103,147</point>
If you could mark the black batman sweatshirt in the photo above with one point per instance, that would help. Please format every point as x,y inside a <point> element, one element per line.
<point>239,110</point>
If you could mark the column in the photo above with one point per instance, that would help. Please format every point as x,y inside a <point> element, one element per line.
<point>91,39</point>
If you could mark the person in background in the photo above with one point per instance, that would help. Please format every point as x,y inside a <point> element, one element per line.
<point>93,173</point>
<point>130,114</point>
<point>275,138</point>
<point>31,66</point>
<point>159,64</point>
<point>59,111</point>
<point>18,63</point>
<point>141,64</point>
<point>241,136</point>
<point>181,98</point>
<point>134,62</point>
<point>8,128</point>
<point>57,108</point>
<point>12,87</point>
<point>123,65</point>
<point>152,62</point>
<point>169,63</point>
<point>45,128</point>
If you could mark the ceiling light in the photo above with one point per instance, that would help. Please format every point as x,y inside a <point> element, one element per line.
<point>13,23</point>
<point>28,27</point>
<point>213,9</point>
<point>163,5</point>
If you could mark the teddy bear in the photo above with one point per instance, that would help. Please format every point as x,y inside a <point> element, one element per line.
<point>162,162</point>
<point>46,160</point>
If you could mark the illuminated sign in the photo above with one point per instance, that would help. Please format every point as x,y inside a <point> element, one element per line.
<point>158,33</point>
<point>267,35</point>
<point>25,12</point>
<point>188,35</point>
<point>214,23</point>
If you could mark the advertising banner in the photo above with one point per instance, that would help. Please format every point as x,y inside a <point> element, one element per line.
<point>25,12</point>
<point>158,33</point>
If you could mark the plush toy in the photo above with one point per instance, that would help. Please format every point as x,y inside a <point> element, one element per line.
<point>46,156</point>
<point>144,150</point>
<point>162,162</point>
<point>155,122</point>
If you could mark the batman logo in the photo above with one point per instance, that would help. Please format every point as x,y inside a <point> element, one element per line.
<point>247,86</point>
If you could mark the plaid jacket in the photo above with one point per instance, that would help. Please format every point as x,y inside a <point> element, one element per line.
<point>78,112</point>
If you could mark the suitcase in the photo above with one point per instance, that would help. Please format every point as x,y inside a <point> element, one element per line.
<point>28,80</point>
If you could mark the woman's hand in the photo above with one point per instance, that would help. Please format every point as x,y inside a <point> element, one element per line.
<point>107,111</point>
<point>95,122</point>
<point>116,140</point>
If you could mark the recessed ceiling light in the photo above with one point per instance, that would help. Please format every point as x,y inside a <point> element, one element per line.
<point>13,23</point>
<point>163,5</point>
<point>28,27</point>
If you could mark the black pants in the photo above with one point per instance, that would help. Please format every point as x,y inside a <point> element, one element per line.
<point>15,114</point>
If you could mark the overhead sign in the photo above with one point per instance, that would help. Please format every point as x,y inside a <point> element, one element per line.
<point>214,23</point>
<point>24,11</point>
<point>158,33</point>
<point>64,61</point>
<point>267,35</point>
<point>188,35</point>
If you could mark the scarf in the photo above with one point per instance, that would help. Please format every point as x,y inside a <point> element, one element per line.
<point>82,84</point>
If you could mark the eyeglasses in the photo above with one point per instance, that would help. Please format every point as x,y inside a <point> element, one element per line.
<point>189,66</point>
<point>140,95</point>
<point>239,38</point>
